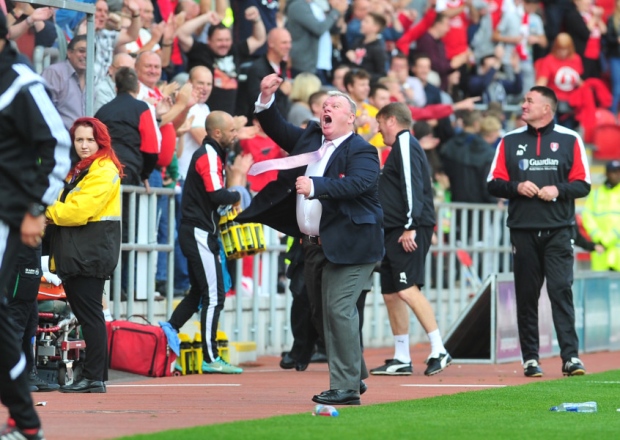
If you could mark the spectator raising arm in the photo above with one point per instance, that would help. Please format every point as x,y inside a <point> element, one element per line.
<point>185,33</point>
<point>36,19</point>
<point>167,41</point>
<point>259,35</point>
<point>133,31</point>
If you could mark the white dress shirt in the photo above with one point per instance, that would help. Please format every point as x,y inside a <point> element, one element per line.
<point>309,210</point>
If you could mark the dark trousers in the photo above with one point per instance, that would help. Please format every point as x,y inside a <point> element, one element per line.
<point>205,275</point>
<point>85,295</point>
<point>540,255</point>
<point>14,387</point>
<point>334,290</point>
<point>305,335</point>
<point>22,291</point>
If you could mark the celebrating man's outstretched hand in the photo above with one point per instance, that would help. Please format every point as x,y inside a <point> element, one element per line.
<point>268,86</point>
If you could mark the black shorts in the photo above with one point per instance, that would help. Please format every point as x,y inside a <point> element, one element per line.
<point>399,269</point>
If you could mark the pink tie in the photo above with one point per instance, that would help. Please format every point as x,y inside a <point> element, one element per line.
<point>290,162</point>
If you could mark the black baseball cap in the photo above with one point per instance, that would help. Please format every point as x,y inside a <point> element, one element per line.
<point>614,165</point>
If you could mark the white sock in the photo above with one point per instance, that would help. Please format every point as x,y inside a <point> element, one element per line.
<point>437,347</point>
<point>401,348</point>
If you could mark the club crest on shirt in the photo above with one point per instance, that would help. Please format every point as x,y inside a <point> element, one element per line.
<point>554,146</point>
<point>341,175</point>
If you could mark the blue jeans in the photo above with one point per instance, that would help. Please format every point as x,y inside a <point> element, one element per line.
<point>156,181</point>
<point>614,70</point>
<point>181,276</point>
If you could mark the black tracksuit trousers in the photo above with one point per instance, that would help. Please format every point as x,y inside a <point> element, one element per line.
<point>14,386</point>
<point>207,286</point>
<point>22,291</point>
<point>539,255</point>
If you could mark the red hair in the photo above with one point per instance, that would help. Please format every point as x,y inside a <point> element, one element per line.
<point>104,142</point>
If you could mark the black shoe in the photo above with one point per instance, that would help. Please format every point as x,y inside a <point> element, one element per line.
<point>301,366</point>
<point>160,286</point>
<point>363,387</point>
<point>84,386</point>
<point>287,362</point>
<point>393,367</point>
<point>338,397</point>
<point>437,364</point>
<point>573,367</point>
<point>39,384</point>
<point>532,369</point>
<point>318,358</point>
<point>10,431</point>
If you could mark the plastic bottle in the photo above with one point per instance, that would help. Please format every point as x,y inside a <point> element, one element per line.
<point>325,410</point>
<point>584,407</point>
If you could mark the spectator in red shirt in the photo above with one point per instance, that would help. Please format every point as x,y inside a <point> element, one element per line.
<point>455,40</point>
<point>261,147</point>
<point>561,71</point>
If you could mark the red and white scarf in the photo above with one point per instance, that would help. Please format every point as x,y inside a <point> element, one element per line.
<point>521,48</point>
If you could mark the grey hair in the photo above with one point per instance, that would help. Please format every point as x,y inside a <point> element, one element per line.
<point>146,52</point>
<point>345,96</point>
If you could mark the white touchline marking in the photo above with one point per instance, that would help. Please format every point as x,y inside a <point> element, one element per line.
<point>175,385</point>
<point>605,381</point>
<point>452,386</point>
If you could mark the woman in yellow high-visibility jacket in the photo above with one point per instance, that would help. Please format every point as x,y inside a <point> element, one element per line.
<point>85,245</point>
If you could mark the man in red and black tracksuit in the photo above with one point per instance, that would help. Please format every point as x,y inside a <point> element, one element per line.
<point>541,169</point>
<point>204,192</point>
<point>133,129</point>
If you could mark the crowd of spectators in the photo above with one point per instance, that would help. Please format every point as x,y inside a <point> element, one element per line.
<point>440,57</point>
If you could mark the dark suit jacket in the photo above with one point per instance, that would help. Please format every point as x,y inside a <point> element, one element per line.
<point>352,219</point>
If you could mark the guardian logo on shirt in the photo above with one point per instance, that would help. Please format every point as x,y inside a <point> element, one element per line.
<point>544,164</point>
<point>539,164</point>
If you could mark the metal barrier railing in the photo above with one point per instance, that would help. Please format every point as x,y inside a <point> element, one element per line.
<point>141,250</point>
<point>258,313</point>
<point>262,315</point>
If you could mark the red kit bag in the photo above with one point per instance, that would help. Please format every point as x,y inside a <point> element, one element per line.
<point>139,349</point>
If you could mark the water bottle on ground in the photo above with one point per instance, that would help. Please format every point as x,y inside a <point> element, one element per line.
<point>325,410</point>
<point>583,407</point>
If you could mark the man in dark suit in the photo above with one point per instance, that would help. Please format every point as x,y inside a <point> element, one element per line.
<point>274,61</point>
<point>333,205</point>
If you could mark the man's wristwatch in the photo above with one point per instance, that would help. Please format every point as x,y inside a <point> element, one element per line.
<point>36,209</point>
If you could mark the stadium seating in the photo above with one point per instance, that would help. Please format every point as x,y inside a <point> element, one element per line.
<point>607,142</point>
